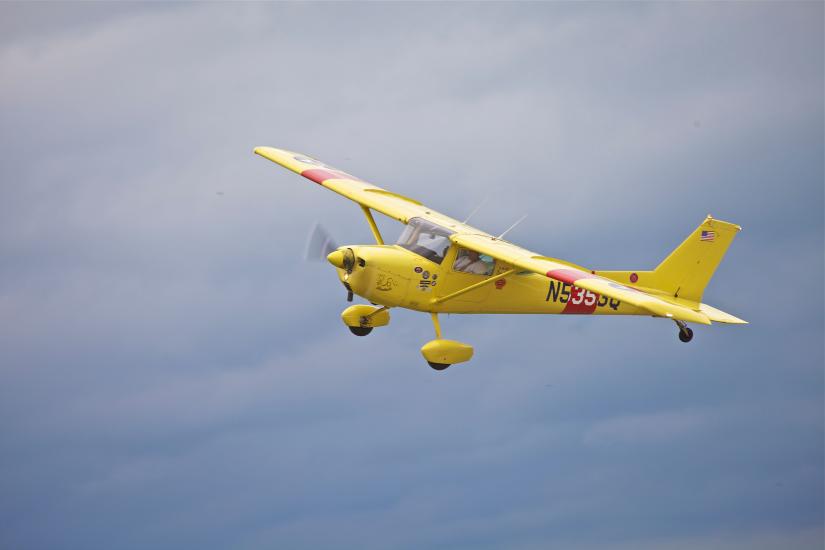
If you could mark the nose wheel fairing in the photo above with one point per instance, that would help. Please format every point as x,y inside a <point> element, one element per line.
<point>361,318</point>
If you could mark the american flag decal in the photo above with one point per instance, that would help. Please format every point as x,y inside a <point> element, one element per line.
<point>707,236</point>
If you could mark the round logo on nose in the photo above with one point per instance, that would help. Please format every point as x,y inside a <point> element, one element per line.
<point>633,277</point>
<point>500,284</point>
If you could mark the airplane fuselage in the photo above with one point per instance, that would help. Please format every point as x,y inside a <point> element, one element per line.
<point>392,276</point>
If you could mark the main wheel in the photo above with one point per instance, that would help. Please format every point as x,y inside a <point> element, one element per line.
<point>438,366</point>
<point>360,331</point>
<point>685,334</point>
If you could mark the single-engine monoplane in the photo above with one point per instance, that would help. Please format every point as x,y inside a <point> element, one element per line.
<point>441,265</point>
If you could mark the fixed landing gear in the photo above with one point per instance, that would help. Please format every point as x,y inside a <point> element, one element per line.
<point>685,333</point>
<point>441,353</point>
<point>361,319</point>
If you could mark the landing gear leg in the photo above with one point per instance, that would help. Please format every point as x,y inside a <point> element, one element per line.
<point>685,333</point>
<point>436,324</point>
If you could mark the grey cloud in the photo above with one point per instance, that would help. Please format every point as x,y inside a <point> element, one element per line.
<point>172,377</point>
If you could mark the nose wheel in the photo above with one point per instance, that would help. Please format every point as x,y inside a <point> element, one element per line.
<point>685,333</point>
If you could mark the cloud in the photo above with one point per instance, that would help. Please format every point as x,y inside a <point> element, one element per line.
<point>172,376</point>
<point>643,429</point>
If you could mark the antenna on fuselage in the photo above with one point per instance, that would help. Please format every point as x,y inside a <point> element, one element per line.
<point>476,209</point>
<point>521,219</point>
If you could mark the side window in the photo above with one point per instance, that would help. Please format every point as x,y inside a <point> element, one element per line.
<point>470,261</point>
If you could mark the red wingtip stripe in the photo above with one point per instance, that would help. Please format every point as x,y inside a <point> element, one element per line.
<point>320,175</point>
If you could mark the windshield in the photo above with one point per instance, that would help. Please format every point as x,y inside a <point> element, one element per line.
<point>425,239</point>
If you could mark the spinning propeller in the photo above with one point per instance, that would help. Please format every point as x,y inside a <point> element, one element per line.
<point>321,246</point>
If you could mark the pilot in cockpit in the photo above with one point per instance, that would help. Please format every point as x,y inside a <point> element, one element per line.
<point>469,261</point>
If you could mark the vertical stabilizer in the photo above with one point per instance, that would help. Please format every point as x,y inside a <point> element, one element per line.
<point>687,270</point>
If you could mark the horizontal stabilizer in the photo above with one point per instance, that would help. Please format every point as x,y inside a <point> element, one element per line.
<point>720,316</point>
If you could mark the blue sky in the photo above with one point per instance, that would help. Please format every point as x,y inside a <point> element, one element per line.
<point>171,375</point>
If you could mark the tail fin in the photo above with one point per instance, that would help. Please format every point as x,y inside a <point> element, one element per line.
<point>687,270</point>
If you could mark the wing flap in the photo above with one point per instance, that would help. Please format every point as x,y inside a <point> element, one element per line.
<point>566,273</point>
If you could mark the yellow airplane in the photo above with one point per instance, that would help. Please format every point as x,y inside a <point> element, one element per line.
<point>441,265</point>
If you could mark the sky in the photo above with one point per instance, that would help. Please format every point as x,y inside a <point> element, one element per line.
<point>173,375</point>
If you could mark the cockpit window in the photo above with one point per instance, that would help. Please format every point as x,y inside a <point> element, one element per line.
<point>425,239</point>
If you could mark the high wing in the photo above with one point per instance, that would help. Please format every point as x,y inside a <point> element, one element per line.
<point>390,204</point>
<point>566,273</point>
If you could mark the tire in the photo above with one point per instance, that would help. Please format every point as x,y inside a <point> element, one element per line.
<point>360,331</point>
<point>438,366</point>
<point>686,335</point>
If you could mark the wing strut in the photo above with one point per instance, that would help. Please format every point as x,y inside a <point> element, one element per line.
<point>373,227</point>
<point>466,289</point>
